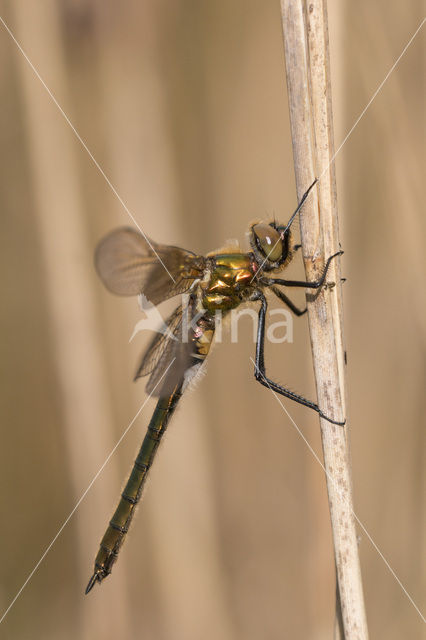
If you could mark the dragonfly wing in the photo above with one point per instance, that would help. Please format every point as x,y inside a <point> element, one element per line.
<point>172,355</point>
<point>128,264</point>
<point>158,346</point>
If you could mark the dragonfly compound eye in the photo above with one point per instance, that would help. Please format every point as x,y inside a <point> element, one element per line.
<point>268,240</point>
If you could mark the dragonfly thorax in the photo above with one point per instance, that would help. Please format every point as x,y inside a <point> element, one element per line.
<point>228,281</point>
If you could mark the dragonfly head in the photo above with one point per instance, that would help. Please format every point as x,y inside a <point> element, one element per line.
<point>272,245</point>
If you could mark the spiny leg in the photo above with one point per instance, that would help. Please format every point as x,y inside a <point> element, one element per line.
<point>281,295</point>
<point>300,283</point>
<point>260,371</point>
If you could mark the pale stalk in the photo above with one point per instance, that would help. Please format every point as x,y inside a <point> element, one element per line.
<point>308,81</point>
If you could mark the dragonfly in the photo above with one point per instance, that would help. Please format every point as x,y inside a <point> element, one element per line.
<point>129,264</point>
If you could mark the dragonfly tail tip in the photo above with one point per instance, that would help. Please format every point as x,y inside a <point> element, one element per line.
<point>95,578</point>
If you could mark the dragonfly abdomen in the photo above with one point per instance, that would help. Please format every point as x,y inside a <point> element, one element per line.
<point>123,515</point>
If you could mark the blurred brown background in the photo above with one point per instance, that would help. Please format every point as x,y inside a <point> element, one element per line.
<point>184,106</point>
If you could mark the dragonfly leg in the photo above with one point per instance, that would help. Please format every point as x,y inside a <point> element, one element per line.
<point>281,295</point>
<point>260,371</point>
<point>300,283</point>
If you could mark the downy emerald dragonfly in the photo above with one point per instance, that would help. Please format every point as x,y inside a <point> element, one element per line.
<point>129,265</point>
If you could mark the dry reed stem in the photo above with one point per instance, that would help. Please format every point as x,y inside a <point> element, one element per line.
<point>308,80</point>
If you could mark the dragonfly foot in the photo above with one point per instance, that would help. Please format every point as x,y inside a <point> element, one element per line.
<point>329,285</point>
<point>340,424</point>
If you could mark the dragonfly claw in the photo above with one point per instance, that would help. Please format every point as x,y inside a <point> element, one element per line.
<point>339,424</point>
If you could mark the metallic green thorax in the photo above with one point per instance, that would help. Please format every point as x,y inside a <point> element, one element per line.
<point>229,281</point>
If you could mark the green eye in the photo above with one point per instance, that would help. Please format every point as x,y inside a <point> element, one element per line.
<point>268,241</point>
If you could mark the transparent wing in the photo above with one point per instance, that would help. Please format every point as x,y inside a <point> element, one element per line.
<point>170,354</point>
<point>129,265</point>
<point>159,344</point>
